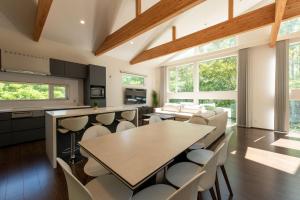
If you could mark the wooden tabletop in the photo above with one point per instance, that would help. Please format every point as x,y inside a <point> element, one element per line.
<point>136,154</point>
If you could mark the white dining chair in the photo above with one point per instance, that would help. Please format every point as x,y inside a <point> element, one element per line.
<point>72,126</point>
<point>105,187</point>
<point>154,119</point>
<point>128,115</point>
<point>92,167</point>
<point>189,191</point>
<point>202,156</point>
<point>180,173</point>
<point>124,125</point>
<point>105,119</point>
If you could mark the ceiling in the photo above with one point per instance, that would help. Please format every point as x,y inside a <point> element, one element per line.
<point>103,17</point>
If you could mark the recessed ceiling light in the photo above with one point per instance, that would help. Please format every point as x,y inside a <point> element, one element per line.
<point>82,22</point>
<point>131,42</point>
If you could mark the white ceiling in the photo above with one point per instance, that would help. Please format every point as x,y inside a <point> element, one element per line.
<point>103,17</point>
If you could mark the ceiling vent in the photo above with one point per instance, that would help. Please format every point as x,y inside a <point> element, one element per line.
<point>12,61</point>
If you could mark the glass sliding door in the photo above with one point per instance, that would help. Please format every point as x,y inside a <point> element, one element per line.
<point>294,87</point>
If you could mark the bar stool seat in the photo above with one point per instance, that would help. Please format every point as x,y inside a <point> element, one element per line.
<point>128,115</point>
<point>72,126</point>
<point>105,119</point>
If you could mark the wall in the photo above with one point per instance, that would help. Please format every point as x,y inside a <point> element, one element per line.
<point>13,40</point>
<point>262,87</point>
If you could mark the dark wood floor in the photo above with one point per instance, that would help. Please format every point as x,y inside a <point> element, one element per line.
<point>257,170</point>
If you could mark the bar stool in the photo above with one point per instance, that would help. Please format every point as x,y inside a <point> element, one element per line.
<point>128,115</point>
<point>72,126</point>
<point>105,119</point>
<point>124,125</point>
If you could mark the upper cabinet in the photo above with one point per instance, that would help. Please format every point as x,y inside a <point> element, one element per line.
<point>57,67</point>
<point>97,75</point>
<point>67,69</point>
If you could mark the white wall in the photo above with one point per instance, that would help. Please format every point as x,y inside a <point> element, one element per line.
<point>262,87</point>
<point>13,40</point>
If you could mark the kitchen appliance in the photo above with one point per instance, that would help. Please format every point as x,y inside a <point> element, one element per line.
<point>97,92</point>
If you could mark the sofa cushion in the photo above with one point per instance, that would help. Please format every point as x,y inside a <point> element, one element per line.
<point>190,108</point>
<point>173,107</point>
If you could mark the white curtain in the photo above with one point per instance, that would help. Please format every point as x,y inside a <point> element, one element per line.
<point>281,120</point>
<point>163,86</point>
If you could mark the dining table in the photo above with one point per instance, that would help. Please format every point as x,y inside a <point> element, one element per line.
<point>136,154</point>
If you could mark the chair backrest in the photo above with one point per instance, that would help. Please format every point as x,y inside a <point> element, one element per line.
<point>224,151</point>
<point>208,179</point>
<point>74,123</point>
<point>106,118</point>
<point>124,125</point>
<point>76,190</point>
<point>154,119</point>
<point>93,132</point>
<point>128,115</point>
<point>189,191</point>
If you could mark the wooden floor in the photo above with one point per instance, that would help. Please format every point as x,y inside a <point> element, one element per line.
<point>257,169</point>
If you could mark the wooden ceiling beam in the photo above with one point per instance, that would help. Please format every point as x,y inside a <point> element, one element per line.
<point>174,33</point>
<point>280,8</point>
<point>138,7</point>
<point>249,21</point>
<point>43,9</point>
<point>230,9</point>
<point>157,14</point>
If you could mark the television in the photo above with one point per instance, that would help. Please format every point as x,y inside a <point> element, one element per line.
<point>135,96</point>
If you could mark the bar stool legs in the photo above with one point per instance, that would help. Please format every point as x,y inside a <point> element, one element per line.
<point>226,179</point>
<point>73,143</point>
<point>218,188</point>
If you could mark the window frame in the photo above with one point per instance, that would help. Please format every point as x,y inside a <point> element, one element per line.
<point>50,91</point>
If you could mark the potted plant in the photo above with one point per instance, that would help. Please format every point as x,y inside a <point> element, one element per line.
<point>95,105</point>
<point>155,101</point>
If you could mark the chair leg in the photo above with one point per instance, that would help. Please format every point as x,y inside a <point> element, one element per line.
<point>212,193</point>
<point>218,187</point>
<point>226,179</point>
<point>73,138</point>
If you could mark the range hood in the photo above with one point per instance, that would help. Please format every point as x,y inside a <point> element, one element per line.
<point>12,61</point>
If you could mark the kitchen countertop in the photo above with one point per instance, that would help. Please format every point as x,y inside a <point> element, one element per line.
<point>88,111</point>
<point>4,110</point>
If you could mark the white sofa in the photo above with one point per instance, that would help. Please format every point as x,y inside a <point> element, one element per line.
<point>218,119</point>
<point>182,111</point>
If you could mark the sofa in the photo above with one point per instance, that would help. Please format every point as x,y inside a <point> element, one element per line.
<point>198,115</point>
<point>182,112</point>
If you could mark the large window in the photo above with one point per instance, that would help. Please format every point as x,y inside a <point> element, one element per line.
<point>218,45</point>
<point>218,75</point>
<point>181,78</point>
<point>132,79</point>
<point>31,91</point>
<point>290,26</point>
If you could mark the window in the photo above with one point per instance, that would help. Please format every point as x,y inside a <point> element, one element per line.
<point>290,26</point>
<point>218,45</point>
<point>218,75</point>
<point>10,91</point>
<point>181,78</point>
<point>132,79</point>
<point>180,100</point>
<point>59,92</point>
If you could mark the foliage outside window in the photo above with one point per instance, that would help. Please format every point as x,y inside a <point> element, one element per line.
<point>132,79</point>
<point>181,78</point>
<point>59,92</point>
<point>290,26</point>
<point>218,75</point>
<point>181,100</point>
<point>11,91</point>
<point>218,45</point>
<point>294,86</point>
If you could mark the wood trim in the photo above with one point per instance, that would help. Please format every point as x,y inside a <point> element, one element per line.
<point>173,33</point>
<point>138,7</point>
<point>249,21</point>
<point>43,9</point>
<point>280,8</point>
<point>157,14</point>
<point>230,9</point>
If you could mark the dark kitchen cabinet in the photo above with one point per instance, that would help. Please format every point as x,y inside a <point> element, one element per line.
<point>97,75</point>
<point>57,67</point>
<point>75,70</point>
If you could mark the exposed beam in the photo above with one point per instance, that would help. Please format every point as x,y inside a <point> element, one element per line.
<point>249,21</point>
<point>173,33</point>
<point>138,7</point>
<point>230,9</point>
<point>43,9</point>
<point>157,14</point>
<point>280,8</point>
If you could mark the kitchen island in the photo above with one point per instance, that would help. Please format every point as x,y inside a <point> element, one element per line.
<point>51,122</point>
